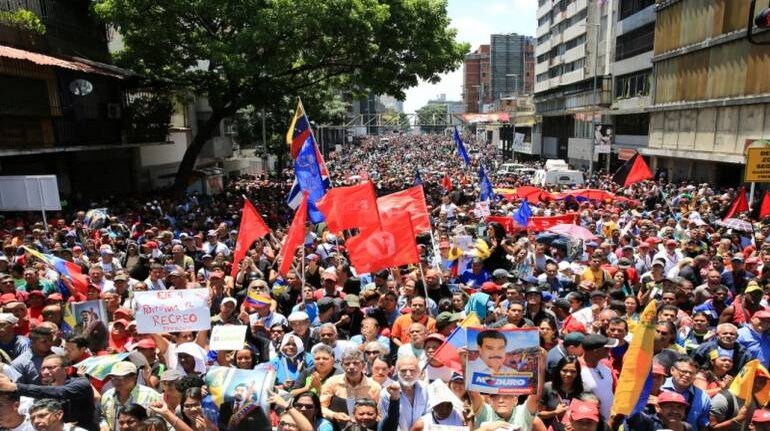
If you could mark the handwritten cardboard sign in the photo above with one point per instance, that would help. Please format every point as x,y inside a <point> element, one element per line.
<point>160,311</point>
<point>227,337</point>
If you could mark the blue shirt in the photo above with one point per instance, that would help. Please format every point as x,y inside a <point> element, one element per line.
<point>757,345</point>
<point>700,403</point>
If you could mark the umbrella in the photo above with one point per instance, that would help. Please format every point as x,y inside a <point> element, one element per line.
<point>736,224</point>
<point>547,238</point>
<point>573,231</point>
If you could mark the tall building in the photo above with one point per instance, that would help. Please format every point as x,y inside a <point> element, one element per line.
<point>511,57</point>
<point>711,90</point>
<point>572,65</point>
<point>476,80</point>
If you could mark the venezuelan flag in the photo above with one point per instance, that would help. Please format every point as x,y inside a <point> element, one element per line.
<point>447,352</point>
<point>68,269</point>
<point>254,299</point>
<point>299,131</point>
<point>743,384</point>
<point>635,381</point>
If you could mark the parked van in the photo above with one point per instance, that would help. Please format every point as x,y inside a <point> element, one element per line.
<point>509,168</point>
<point>543,178</point>
<point>556,165</point>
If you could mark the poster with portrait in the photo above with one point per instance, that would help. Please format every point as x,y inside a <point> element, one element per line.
<point>502,361</point>
<point>232,385</point>
<point>87,314</point>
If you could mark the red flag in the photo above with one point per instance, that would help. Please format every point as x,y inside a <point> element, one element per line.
<point>411,200</point>
<point>506,222</point>
<point>294,237</point>
<point>740,204</point>
<point>391,245</point>
<point>540,224</point>
<point>633,171</point>
<point>252,227</point>
<point>350,207</point>
<point>764,208</point>
<point>446,183</point>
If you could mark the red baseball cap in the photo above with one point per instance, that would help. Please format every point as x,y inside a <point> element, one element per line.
<point>658,370</point>
<point>580,410</point>
<point>574,326</point>
<point>490,287</point>
<point>8,298</point>
<point>652,240</point>
<point>672,397</point>
<point>123,322</point>
<point>761,314</point>
<point>146,343</point>
<point>761,416</point>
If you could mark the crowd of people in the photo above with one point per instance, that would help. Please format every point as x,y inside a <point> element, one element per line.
<point>355,351</point>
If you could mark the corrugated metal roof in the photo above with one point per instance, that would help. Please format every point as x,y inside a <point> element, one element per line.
<point>80,65</point>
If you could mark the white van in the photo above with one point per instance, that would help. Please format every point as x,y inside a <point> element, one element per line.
<point>509,168</point>
<point>556,165</point>
<point>543,178</point>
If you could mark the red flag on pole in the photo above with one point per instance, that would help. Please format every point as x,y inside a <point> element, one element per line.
<point>741,204</point>
<point>411,200</point>
<point>294,237</point>
<point>252,227</point>
<point>764,208</point>
<point>350,207</point>
<point>633,171</point>
<point>446,183</point>
<point>391,245</point>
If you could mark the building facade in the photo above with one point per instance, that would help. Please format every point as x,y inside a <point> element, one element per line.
<point>711,90</point>
<point>477,80</point>
<point>511,65</point>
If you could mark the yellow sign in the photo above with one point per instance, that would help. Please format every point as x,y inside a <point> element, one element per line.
<point>757,165</point>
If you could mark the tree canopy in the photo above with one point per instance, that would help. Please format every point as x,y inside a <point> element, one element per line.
<point>261,52</point>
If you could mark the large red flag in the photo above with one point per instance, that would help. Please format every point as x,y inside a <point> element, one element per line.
<point>350,207</point>
<point>740,204</point>
<point>411,200</point>
<point>764,208</point>
<point>506,222</point>
<point>252,227</point>
<point>446,183</point>
<point>633,171</point>
<point>294,238</point>
<point>391,245</point>
<point>540,224</point>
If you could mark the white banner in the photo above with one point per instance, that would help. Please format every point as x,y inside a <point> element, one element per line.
<point>227,337</point>
<point>172,311</point>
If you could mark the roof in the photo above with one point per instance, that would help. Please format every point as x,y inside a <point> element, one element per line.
<point>74,63</point>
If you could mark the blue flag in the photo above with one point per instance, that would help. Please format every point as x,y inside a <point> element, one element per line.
<point>523,214</point>
<point>487,193</point>
<point>309,177</point>
<point>461,148</point>
<point>417,178</point>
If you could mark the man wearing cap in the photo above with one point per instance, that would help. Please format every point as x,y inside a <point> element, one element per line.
<point>446,322</point>
<point>681,381</point>
<point>755,337</point>
<point>125,391</point>
<point>583,415</point>
<point>744,305</point>
<point>75,393</point>
<point>671,255</point>
<point>28,363</point>
<point>760,420</point>
<point>435,369</point>
<point>330,288</point>
<point>597,376</point>
<point>571,346</point>
<point>476,275</point>
<point>670,414</point>
<point>736,278</point>
<point>213,245</point>
<point>227,314</point>
<point>13,345</point>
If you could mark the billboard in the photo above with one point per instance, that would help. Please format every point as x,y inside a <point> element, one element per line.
<point>29,193</point>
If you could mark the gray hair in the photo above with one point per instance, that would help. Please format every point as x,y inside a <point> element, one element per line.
<point>47,403</point>
<point>322,348</point>
<point>328,325</point>
<point>352,354</point>
<point>725,325</point>
<point>372,345</point>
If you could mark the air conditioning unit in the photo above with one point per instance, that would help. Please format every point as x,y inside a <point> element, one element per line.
<point>113,111</point>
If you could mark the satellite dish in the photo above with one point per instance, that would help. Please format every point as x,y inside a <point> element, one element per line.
<point>81,87</point>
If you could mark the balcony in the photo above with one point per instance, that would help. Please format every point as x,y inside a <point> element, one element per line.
<point>542,48</point>
<point>544,9</point>
<point>575,30</point>
<point>543,29</point>
<point>575,53</point>
<point>575,7</point>
<point>541,68</point>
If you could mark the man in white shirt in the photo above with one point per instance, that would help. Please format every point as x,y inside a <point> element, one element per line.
<point>671,256</point>
<point>413,402</point>
<point>492,346</point>
<point>596,376</point>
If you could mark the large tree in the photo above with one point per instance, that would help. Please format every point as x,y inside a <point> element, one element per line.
<point>259,52</point>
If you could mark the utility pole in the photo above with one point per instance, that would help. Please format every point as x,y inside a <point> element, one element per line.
<point>596,25</point>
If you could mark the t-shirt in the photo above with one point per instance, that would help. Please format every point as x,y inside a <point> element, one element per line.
<point>720,409</point>
<point>521,417</point>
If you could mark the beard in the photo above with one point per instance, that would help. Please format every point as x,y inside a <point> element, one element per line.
<point>406,383</point>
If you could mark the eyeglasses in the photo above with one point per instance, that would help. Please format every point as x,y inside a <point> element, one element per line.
<point>301,406</point>
<point>685,372</point>
<point>372,352</point>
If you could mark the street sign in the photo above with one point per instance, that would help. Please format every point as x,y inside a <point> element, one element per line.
<point>757,165</point>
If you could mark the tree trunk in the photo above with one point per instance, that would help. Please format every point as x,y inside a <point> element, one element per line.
<point>182,179</point>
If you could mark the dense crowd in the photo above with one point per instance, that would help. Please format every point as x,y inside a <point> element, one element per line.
<point>355,351</point>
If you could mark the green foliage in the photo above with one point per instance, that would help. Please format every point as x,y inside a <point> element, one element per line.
<point>148,117</point>
<point>429,115</point>
<point>265,53</point>
<point>23,19</point>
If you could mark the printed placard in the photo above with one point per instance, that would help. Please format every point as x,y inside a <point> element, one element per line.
<point>160,311</point>
<point>227,337</point>
<point>503,361</point>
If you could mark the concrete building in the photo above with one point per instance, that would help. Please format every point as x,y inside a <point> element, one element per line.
<point>573,56</point>
<point>65,110</point>
<point>477,80</point>
<point>711,90</point>
<point>511,65</point>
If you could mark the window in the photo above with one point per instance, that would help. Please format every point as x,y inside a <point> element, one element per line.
<point>575,65</point>
<point>542,77</point>
<point>584,129</point>
<point>635,42</point>
<point>630,7</point>
<point>634,124</point>
<point>576,41</point>
<point>632,85</point>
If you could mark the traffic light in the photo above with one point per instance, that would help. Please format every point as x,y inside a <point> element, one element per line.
<point>762,21</point>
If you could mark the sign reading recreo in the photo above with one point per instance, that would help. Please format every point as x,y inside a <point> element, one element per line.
<point>758,165</point>
<point>160,311</point>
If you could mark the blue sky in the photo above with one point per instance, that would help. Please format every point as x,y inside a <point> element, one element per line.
<point>475,20</point>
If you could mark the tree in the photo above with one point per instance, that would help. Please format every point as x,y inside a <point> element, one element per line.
<point>433,118</point>
<point>263,53</point>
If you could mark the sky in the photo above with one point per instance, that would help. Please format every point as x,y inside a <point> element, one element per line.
<point>475,20</point>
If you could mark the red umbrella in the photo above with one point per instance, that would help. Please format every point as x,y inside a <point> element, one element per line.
<point>573,231</point>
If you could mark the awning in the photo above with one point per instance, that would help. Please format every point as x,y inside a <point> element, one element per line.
<point>74,63</point>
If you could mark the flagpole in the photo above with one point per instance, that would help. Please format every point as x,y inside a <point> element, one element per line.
<point>303,265</point>
<point>424,284</point>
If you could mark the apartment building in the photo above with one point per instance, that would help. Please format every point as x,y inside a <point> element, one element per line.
<point>477,80</point>
<point>511,64</point>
